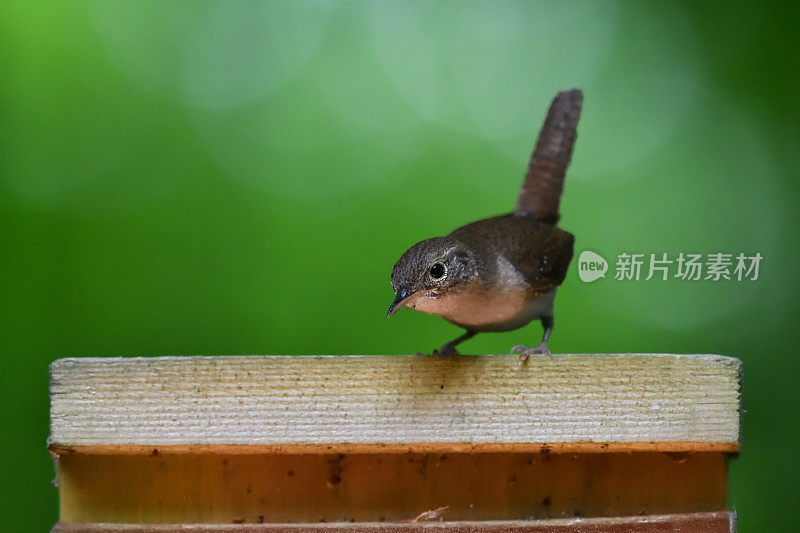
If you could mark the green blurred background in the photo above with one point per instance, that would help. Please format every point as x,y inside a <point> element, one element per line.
<point>238,178</point>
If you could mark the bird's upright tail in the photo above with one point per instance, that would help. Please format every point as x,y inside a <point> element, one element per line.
<point>544,180</point>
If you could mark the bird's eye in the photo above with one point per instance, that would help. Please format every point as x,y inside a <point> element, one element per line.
<point>438,271</point>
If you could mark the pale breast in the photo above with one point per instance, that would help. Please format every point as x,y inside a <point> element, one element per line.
<point>488,310</point>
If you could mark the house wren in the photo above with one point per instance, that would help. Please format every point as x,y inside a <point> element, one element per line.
<point>500,273</point>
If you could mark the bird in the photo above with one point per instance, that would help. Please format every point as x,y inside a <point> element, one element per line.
<point>501,273</point>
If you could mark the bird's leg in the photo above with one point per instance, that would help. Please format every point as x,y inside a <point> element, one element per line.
<point>450,347</point>
<point>541,348</point>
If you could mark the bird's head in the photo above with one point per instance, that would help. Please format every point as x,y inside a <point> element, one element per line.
<point>430,270</point>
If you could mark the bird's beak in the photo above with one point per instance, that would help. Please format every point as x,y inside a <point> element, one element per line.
<point>400,300</point>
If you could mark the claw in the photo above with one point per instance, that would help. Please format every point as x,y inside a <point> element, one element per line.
<point>525,353</point>
<point>446,349</point>
<point>518,348</point>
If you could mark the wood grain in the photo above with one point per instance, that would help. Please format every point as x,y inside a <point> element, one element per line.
<point>717,522</point>
<point>275,488</point>
<point>417,447</point>
<point>416,401</point>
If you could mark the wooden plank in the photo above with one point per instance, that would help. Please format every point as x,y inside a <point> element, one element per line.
<point>395,400</point>
<point>276,488</point>
<point>717,522</point>
<point>417,447</point>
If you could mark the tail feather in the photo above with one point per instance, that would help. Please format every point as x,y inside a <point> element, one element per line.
<point>541,190</point>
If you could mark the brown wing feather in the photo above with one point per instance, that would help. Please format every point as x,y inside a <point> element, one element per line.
<point>540,252</point>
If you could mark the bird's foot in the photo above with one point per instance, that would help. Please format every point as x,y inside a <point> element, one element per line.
<point>525,353</point>
<point>446,349</point>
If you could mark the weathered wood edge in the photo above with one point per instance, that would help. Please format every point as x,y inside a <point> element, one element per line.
<point>709,521</point>
<point>422,447</point>
<point>730,443</point>
<point>556,356</point>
